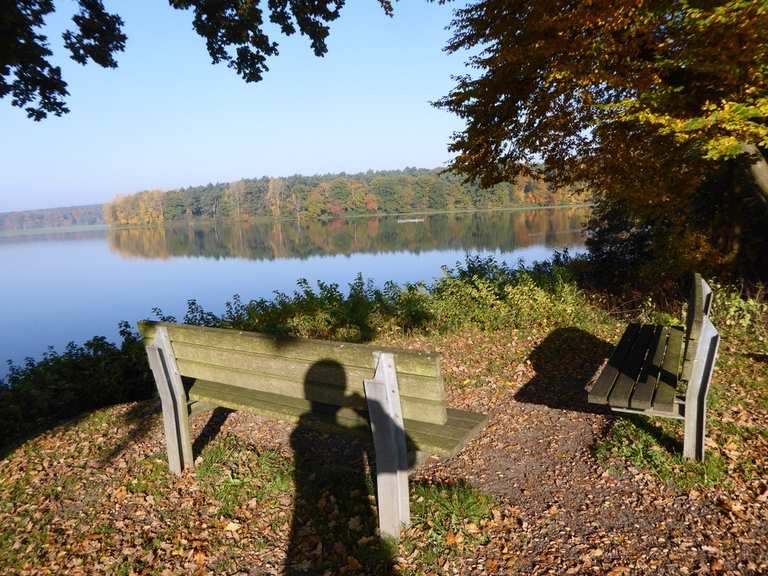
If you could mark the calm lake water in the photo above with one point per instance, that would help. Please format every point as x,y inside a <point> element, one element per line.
<point>71,286</point>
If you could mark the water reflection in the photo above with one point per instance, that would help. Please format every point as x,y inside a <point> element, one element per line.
<point>73,285</point>
<point>481,231</point>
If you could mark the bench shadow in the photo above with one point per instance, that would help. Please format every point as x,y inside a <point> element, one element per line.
<point>139,422</point>
<point>334,527</point>
<point>670,443</point>
<point>565,362</point>
<point>757,357</point>
<point>211,429</point>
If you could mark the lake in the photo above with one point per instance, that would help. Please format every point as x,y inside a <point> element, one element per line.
<point>71,286</point>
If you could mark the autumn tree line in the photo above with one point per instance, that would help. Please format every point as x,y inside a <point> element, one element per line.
<point>51,218</point>
<point>330,196</point>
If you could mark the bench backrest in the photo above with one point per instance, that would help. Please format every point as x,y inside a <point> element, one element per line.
<point>699,305</point>
<point>321,371</point>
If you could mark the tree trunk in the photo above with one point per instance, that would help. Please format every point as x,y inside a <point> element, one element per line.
<point>758,167</point>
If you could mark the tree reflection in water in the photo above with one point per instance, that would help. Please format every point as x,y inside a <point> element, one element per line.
<point>504,231</point>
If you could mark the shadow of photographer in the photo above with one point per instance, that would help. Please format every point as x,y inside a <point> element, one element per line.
<point>335,524</point>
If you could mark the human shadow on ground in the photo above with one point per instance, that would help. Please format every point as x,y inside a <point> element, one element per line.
<point>334,525</point>
<point>565,362</point>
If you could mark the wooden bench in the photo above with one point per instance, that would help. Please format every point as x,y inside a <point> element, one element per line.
<point>331,386</point>
<point>665,371</point>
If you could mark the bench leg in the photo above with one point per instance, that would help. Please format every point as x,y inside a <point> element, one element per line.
<point>173,399</point>
<point>695,430</point>
<point>696,395</point>
<point>385,412</point>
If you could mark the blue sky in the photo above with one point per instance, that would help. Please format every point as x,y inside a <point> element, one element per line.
<point>167,117</point>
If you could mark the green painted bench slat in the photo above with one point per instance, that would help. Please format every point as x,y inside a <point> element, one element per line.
<point>642,395</point>
<point>602,388</point>
<point>631,368</point>
<point>664,400</point>
<point>426,387</point>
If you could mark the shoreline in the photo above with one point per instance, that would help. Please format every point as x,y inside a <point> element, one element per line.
<point>266,219</point>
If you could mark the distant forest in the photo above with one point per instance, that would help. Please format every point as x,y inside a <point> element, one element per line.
<point>329,196</point>
<point>52,218</point>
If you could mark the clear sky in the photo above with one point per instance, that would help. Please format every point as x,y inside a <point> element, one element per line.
<point>167,117</point>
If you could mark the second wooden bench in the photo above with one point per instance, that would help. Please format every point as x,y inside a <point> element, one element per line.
<point>665,370</point>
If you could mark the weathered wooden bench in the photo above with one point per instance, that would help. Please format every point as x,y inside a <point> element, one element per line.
<point>331,386</point>
<point>665,371</point>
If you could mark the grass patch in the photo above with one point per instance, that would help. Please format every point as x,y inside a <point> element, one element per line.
<point>447,519</point>
<point>234,473</point>
<point>654,446</point>
<point>151,476</point>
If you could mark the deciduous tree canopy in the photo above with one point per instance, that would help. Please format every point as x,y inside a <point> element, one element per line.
<point>233,31</point>
<point>660,107</point>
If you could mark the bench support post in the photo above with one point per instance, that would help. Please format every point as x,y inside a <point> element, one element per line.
<point>383,397</point>
<point>174,402</point>
<point>698,387</point>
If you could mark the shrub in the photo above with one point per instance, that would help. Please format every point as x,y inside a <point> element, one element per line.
<point>80,379</point>
<point>733,312</point>
<point>457,302</point>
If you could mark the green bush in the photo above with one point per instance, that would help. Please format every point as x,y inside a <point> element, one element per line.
<point>478,292</point>
<point>737,314</point>
<point>80,379</point>
<point>458,302</point>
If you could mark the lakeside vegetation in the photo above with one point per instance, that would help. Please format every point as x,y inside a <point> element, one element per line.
<point>331,196</point>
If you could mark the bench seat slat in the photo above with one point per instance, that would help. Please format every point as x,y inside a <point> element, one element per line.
<point>664,399</point>
<point>444,440</point>
<point>630,368</point>
<point>642,396</point>
<point>605,382</point>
